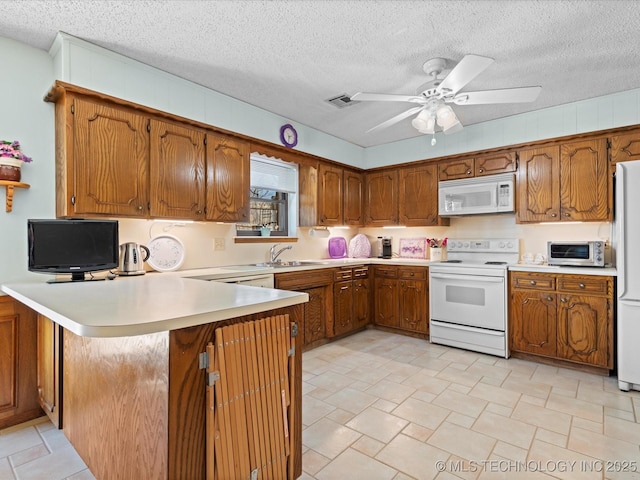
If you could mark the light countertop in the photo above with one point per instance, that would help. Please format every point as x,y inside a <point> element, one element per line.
<point>153,303</point>
<point>606,271</point>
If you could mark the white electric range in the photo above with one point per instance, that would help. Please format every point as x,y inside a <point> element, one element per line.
<point>468,294</point>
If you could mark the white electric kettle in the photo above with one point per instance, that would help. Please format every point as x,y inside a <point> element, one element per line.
<point>131,259</point>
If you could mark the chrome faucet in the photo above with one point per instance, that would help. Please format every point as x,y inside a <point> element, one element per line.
<point>274,255</point>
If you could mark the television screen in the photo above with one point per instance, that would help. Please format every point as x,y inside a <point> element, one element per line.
<point>72,246</point>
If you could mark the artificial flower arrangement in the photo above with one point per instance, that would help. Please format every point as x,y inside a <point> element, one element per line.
<point>12,150</point>
<point>437,243</point>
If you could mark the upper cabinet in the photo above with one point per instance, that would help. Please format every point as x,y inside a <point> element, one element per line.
<point>381,198</point>
<point>479,166</point>
<point>330,195</point>
<point>122,160</point>
<point>102,159</point>
<point>177,171</point>
<point>625,147</point>
<point>418,205</point>
<point>564,183</point>
<point>228,179</point>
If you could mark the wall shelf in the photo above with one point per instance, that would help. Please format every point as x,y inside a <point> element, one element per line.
<point>9,187</point>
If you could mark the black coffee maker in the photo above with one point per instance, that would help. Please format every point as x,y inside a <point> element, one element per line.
<point>386,247</point>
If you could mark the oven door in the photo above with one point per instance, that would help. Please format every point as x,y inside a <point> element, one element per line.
<point>472,300</point>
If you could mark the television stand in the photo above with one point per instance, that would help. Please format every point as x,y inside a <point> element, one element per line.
<point>75,277</point>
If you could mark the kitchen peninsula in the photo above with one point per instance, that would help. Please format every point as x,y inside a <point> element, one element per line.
<point>133,393</point>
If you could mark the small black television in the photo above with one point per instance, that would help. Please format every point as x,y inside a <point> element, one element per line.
<point>74,246</point>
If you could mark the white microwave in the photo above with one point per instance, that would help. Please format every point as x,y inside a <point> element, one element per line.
<point>475,196</point>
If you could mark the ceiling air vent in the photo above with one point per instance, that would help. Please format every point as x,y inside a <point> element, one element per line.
<point>341,101</point>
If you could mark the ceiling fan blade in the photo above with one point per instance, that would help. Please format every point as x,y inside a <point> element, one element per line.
<point>395,119</point>
<point>505,95</point>
<point>385,97</point>
<point>466,70</point>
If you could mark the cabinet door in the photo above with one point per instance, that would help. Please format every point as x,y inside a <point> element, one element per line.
<point>533,322</point>
<point>314,315</point>
<point>177,171</point>
<point>418,189</point>
<point>583,329</point>
<point>8,361</point>
<point>343,307</point>
<point>49,368</point>
<point>625,147</point>
<point>329,195</point>
<point>584,181</point>
<point>111,160</point>
<point>463,168</point>
<point>386,301</point>
<point>228,179</point>
<point>413,305</point>
<point>381,189</point>
<point>353,209</point>
<point>496,163</point>
<point>361,302</point>
<point>538,192</point>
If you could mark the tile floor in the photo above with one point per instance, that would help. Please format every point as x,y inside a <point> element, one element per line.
<point>383,406</point>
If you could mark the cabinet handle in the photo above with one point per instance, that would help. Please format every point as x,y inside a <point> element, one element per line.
<point>140,207</point>
<point>549,299</point>
<point>412,274</point>
<point>567,215</point>
<point>468,172</point>
<point>532,282</point>
<point>481,170</point>
<point>563,300</point>
<point>198,212</point>
<point>581,285</point>
<point>554,214</point>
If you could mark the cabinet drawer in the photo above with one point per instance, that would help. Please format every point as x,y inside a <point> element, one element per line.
<point>412,273</point>
<point>533,281</point>
<point>360,272</point>
<point>578,284</point>
<point>343,274</point>
<point>386,272</point>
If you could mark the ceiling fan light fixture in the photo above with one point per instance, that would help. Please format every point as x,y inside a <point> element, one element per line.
<point>453,127</point>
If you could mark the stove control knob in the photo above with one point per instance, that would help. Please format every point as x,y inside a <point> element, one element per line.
<point>509,244</point>
<point>501,245</point>
<point>459,244</point>
<point>466,244</point>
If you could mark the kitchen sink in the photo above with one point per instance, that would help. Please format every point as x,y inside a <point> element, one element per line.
<point>292,263</point>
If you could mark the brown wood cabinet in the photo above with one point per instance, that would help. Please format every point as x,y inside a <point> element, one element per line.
<point>119,159</point>
<point>50,369</point>
<point>413,294</point>
<point>560,316</point>
<point>318,312</point>
<point>625,147</point>
<point>353,198</point>
<point>177,188</point>
<point>351,297</point>
<point>564,183</point>
<point>401,298</point>
<point>418,202</point>
<point>102,159</point>
<point>490,164</point>
<point>228,178</point>
<point>381,198</point>
<point>18,346</point>
<point>330,195</point>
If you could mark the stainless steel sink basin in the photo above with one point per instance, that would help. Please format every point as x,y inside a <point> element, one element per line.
<point>292,263</point>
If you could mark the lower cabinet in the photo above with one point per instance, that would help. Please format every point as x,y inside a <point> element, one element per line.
<point>18,391</point>
<point>351,298</point>
<point>401,298</point>
<point>49,368</point>
<point>561,316</point>
<point>318,312</point>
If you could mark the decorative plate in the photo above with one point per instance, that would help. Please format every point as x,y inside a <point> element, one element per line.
<point>166,253</point>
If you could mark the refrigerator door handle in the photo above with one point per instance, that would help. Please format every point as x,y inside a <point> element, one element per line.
<point>632,302</point>
<point>620,220</point>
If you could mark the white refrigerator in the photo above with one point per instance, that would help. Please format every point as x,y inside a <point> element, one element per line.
<point>627,231</point>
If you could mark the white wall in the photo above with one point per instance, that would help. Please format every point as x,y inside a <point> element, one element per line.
<point>27,118</point>
<point>24,116</point>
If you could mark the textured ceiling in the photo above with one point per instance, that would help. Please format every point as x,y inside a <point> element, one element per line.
<point>288,57</point>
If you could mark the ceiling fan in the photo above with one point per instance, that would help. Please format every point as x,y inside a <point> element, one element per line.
<point>444,87</point>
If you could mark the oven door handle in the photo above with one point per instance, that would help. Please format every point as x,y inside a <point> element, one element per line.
<point>468,278</point>
<point>465,328</point>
